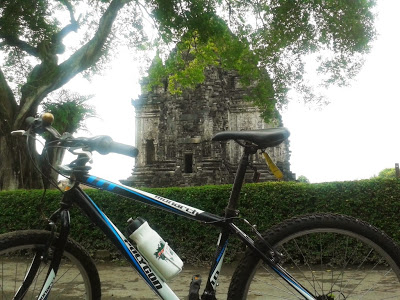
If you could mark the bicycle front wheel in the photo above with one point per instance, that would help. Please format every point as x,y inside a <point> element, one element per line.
<point>77,277</point>
<point>334,257</point>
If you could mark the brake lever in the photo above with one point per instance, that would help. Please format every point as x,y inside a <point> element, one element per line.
<point>52,131</point>
<point>18,132</point>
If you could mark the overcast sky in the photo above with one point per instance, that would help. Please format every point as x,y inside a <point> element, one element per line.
<point>352,138</point>
<point>357,135</point>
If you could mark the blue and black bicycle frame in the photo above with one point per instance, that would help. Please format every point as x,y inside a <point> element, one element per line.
<point>76,196</point>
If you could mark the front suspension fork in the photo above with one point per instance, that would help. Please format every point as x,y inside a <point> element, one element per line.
<point>42,255</point>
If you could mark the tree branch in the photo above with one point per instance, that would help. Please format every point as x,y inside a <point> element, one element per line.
<point>70,9</point>
<point>24,46</point>
<point>48,78</point>
<point>90,53</point>
<point>73,26</point>
<point>148,14</point>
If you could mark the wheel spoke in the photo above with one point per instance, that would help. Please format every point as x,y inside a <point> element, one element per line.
<point>73,281</point>
<point>334,257</point>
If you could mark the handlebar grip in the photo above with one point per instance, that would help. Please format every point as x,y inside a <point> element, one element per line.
<point>105,145</point>
<point>124,149</point>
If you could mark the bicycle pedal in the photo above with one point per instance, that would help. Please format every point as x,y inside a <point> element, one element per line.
<point>194,288</point>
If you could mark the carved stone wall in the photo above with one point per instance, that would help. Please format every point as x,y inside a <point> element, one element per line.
<point>173,135</point>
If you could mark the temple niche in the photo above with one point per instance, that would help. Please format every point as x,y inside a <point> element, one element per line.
<point>174,132</point>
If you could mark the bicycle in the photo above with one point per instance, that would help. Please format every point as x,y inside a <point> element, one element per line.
<point>320,256</point>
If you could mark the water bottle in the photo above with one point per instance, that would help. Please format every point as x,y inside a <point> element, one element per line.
<point>165,262</point>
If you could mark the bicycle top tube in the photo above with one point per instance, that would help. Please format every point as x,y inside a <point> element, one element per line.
<point>149,199</point>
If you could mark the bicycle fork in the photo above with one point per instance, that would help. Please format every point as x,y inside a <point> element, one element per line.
<point>42,255</point>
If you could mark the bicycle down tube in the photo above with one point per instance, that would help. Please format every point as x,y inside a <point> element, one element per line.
<point>123,244</point>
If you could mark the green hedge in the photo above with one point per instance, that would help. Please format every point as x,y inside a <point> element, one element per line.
<point>375,201</point>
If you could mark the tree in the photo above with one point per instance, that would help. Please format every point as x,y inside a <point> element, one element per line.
<point>387,173</point>
<point>29,31</point>
<point>70,111</point>
<point>303,179</point>
<point>265,41</point>
<point>268,43</point>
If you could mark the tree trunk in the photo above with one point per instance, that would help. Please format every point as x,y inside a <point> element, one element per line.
<point>16,167</point>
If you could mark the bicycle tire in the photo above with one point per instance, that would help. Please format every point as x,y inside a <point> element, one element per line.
<point>77,277</point>
<point>359,261</point>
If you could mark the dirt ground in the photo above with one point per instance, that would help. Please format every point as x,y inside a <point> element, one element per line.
<point>122,282</point>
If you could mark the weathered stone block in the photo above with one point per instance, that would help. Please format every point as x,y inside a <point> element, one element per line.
<point>173,135</point>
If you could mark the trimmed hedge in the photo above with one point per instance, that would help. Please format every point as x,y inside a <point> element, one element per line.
<point>375,201</point>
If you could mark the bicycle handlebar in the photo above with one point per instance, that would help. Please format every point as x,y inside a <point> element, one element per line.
<point>103,144</point>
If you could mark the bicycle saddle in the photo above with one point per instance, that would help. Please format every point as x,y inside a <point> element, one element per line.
<point>263,138</point>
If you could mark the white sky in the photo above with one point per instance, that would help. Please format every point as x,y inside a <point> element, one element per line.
<point>116,115</point>
<point>355,136</point>
<point>352,138</point>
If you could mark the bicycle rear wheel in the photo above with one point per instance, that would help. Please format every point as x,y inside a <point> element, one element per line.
<point>335,257</point>
<point>77,277</point>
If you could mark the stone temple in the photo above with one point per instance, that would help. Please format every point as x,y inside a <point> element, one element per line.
<point>173,135</point>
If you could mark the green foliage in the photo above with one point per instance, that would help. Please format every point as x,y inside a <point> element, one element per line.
<point>375,201</point>
<point>19,15</point>
<point>70,111</point>
<point>387,173</point>
<point>303,179</point>
<point>266,42</point>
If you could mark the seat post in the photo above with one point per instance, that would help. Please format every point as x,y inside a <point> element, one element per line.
<point>233,203</point>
